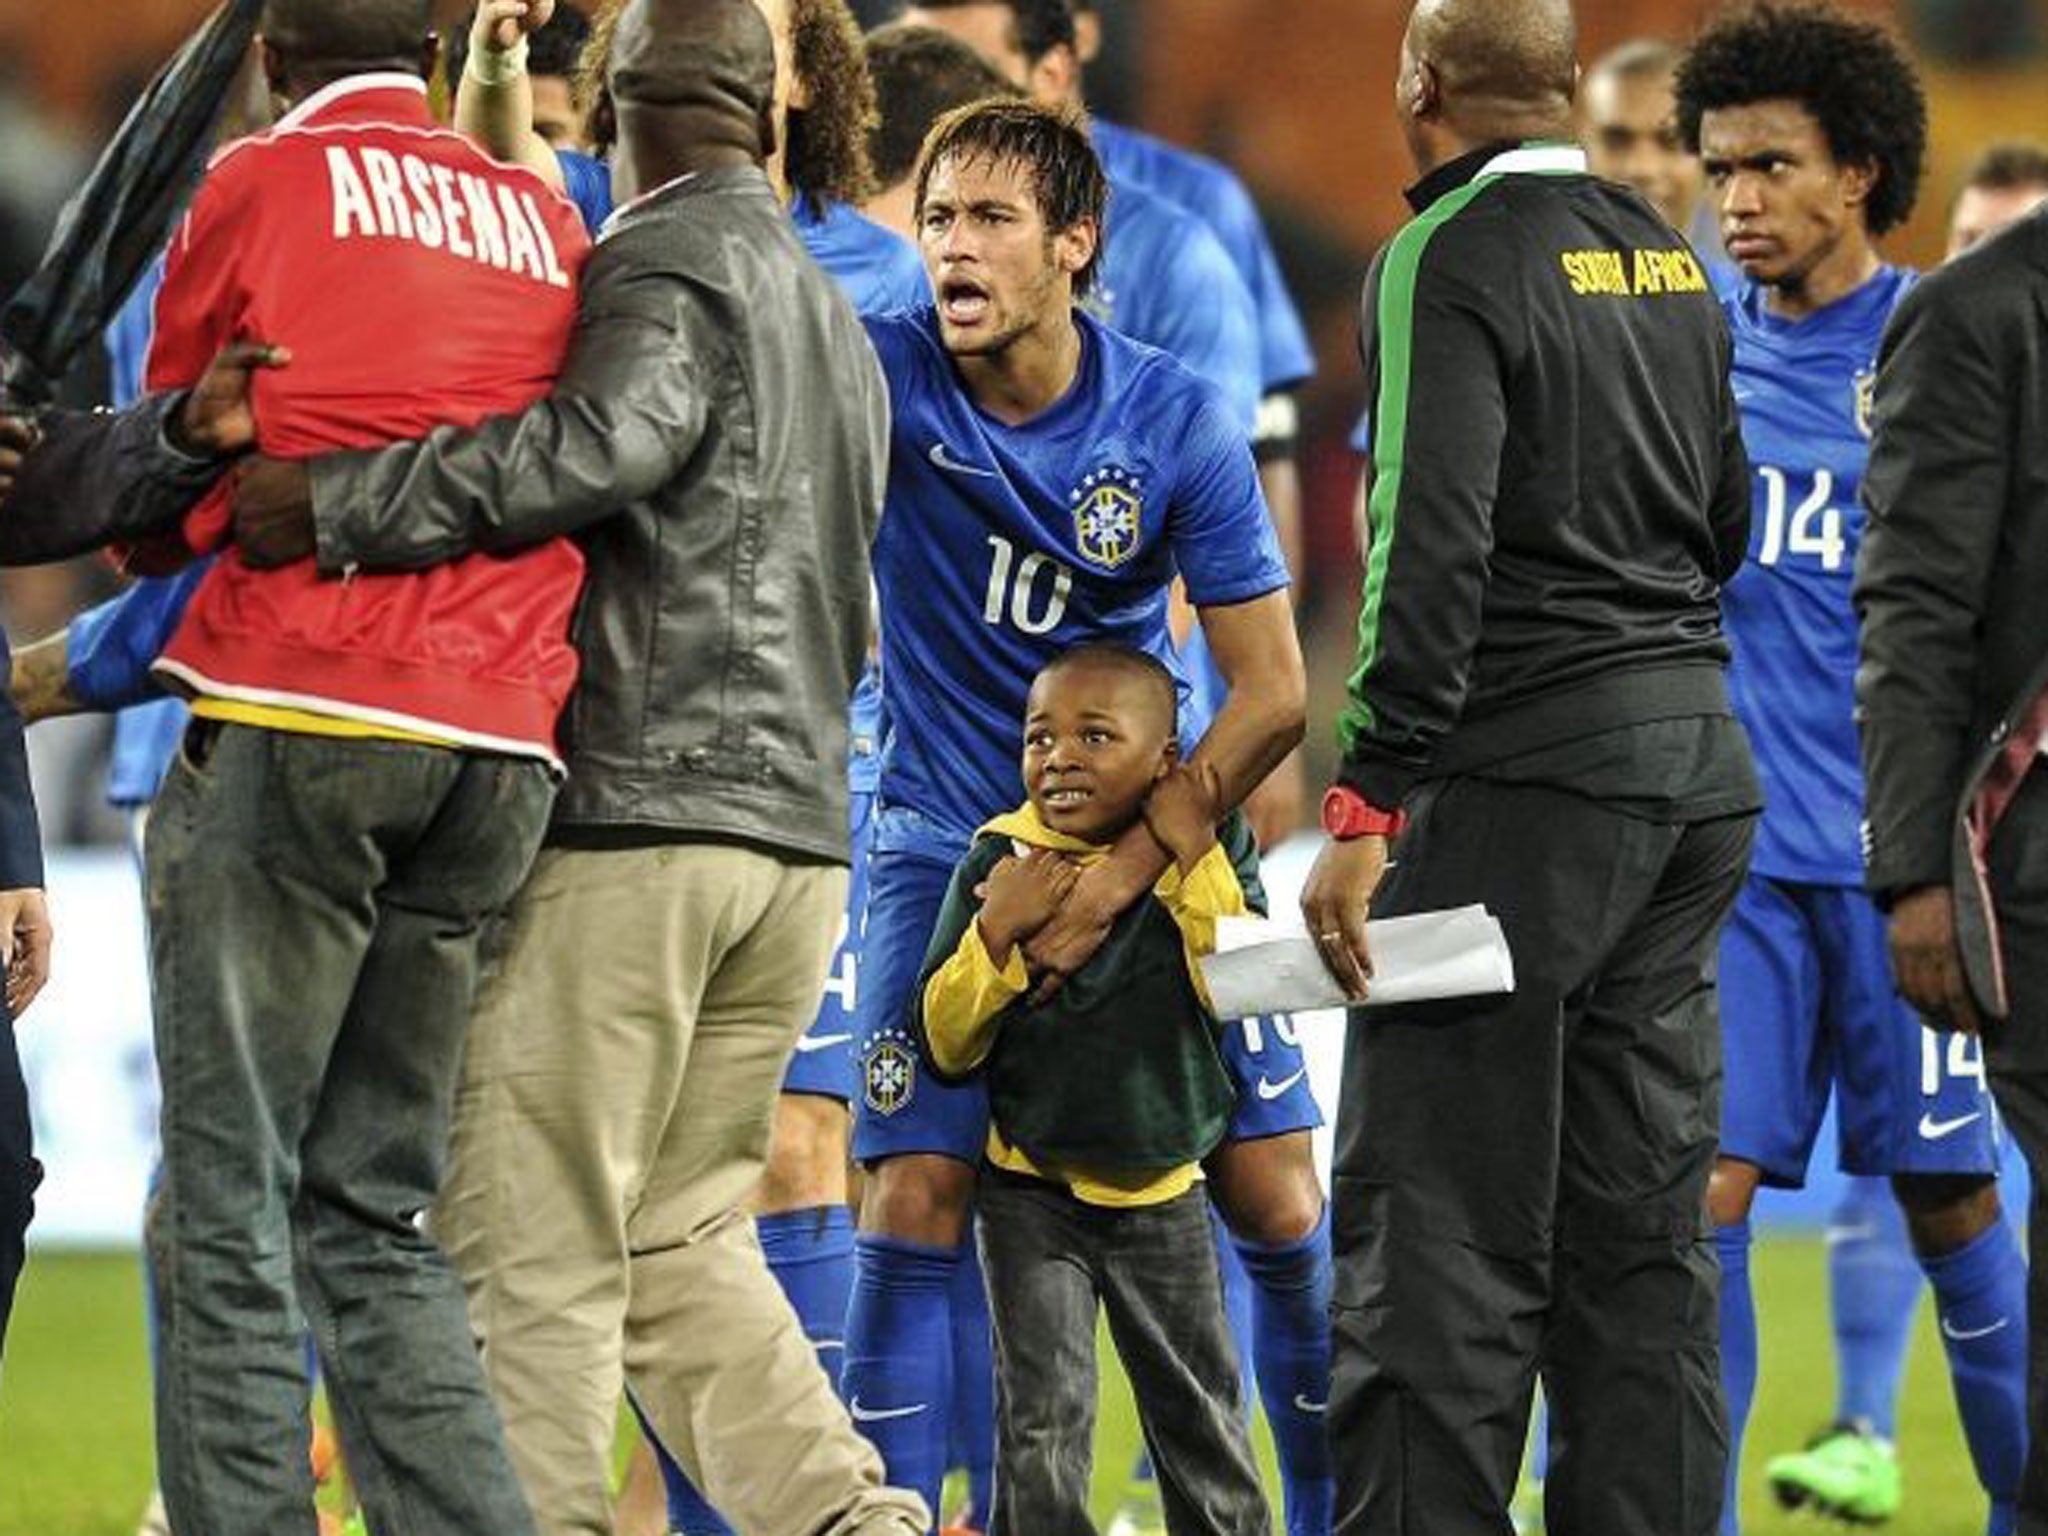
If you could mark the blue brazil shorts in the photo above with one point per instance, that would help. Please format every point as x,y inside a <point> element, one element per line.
<point>1807,1006</point>
<point>823,1060</point>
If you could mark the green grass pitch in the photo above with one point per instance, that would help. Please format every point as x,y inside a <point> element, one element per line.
<point>74,1410</point>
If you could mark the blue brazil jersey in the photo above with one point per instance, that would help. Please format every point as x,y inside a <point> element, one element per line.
<point>1212,193</point>
<point>1002,546</point>
<point>876,268</point>
<point>1803,391</point>
<point>1163,279</point>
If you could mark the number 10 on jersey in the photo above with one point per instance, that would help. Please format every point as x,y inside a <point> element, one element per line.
<point>1015,593</point>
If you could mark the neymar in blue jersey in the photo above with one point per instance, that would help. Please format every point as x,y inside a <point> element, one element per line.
<point>1048,478</point>
<point>1812,130</point>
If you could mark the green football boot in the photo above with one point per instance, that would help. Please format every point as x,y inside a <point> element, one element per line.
<point>1847,1472</point>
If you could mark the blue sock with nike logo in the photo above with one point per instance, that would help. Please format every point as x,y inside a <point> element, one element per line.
<point>898,1376</point>
<point>1874,1286</point>
<point>1980,1295</point>
<point>1290,1286</point>
<point>1738,1355</point>
<point>810,1253</point>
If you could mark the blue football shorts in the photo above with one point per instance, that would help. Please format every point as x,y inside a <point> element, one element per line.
<point>822,1062</point>
<point>1808,1007</point>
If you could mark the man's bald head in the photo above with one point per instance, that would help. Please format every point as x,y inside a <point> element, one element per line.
<point>692,83</point>
<point>1480,70</point>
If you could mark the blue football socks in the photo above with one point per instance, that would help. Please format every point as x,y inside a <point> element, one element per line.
<point>1290,1291</point>
<point>1874,1285</point>
<point>1980,1295</point>
<point>898,1376</point>
<point>1738,1354</point>
<point>971,1439</point>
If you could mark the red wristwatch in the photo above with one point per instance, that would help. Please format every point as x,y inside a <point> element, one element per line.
<point>1348,814</point>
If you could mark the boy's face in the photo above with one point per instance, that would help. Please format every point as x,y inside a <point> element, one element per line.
<point>1096,739</point>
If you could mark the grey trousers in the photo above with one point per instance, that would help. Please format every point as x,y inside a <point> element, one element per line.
<point>1051,1262</point>
<point>315,907</point>
<point>1519,1182</point>
<point>2016,1053</point>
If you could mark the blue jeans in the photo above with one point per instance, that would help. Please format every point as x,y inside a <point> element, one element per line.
<point>315,911</point>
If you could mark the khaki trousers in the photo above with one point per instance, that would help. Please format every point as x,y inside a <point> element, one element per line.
<point>613,1117</point>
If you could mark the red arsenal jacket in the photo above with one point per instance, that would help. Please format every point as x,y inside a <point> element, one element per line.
<point>418,283</point>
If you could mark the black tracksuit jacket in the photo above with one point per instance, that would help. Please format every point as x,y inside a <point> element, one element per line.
<point>1558,482</point>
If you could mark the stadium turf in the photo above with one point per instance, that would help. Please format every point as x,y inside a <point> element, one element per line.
<point>74,1412</point>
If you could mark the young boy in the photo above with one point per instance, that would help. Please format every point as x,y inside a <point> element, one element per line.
<point>1103,1099</point>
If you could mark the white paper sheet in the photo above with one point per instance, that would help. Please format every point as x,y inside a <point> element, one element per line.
<point>1267,967</point>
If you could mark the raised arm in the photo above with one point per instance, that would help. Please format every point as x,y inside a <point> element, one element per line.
<point>494,97</point>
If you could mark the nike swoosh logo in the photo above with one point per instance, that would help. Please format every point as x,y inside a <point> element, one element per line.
<point>1308,1405</point>
<point>1272,1090</point>
<point>876,1415</point>
<point>824,1344</point>
<point>805,1044</point>
<point>1932,1129</point>
<point>946,461</point>
<point>1963,1335</point>
<point>1838,1235</point>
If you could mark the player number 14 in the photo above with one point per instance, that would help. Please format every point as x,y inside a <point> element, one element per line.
<point>1018,593</point>
<point>1814,527</point>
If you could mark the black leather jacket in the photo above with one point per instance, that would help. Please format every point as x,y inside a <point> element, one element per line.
<point>719,436</point>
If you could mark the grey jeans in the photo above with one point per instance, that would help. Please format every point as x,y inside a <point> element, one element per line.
<point>1050,1262</point>
<point>315,906</point>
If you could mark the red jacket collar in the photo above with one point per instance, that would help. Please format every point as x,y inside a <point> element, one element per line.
<point>387,96</point>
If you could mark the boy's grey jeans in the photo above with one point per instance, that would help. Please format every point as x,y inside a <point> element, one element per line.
<point>1051,1261</point>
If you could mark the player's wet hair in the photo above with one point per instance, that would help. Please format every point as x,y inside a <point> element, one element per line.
<point>555,51</point>
<point>828,138</point>
<point>1052,147</point>
<point>1115,656</point>
<point>1036,26</point>
<point>920,74</point>
<point>1851,75</point>
<point>337,34</point>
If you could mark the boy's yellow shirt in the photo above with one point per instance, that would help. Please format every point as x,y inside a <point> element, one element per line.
<point>965,997</point>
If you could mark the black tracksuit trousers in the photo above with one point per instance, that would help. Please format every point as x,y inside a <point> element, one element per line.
<point>1520,1181</point>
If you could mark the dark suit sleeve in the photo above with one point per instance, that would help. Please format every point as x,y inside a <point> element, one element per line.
<point>1936,493</point>
<point>626,414</point>
<point>99,478</point>
<point>21,840</point>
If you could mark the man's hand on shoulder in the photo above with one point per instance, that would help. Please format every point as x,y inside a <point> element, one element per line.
<point>218,417</point>
<point>1182,811</point>
<point>24,945</point>
<point>18,435</point>
<point>1927,960</point>
<point>273,510</point>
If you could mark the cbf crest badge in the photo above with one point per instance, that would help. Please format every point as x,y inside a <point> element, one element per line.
<point>1109,516</point>
<point>1866,398</point>
<point>888,1072</point>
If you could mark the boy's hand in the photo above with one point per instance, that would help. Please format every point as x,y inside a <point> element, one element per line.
<point>1182,811</point>
<point>1020,896</point>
